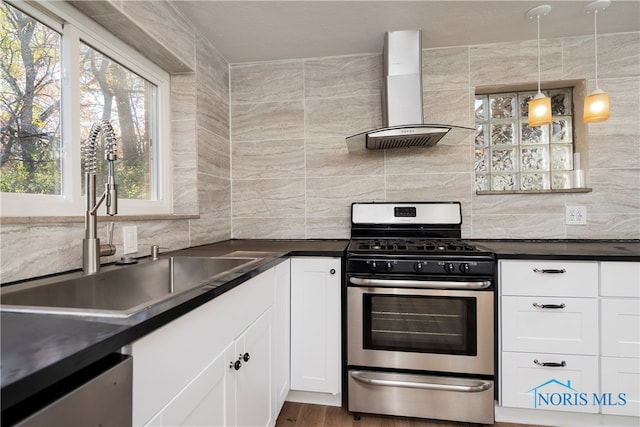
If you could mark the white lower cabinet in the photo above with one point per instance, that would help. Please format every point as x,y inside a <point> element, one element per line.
<point>570,339</point>
<point>550,324</point>
<point>549,334</point>
<point>253,392</point>
<point>282,335</point>
<point>620,327</point>
<point>621,376</point>
<point>315,324</point>
<point>184,372</point>
<point>620,337</point>
<point>205,400</point>
<point>528,383</point>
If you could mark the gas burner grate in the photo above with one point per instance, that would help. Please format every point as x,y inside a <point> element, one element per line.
<point>421,245</point>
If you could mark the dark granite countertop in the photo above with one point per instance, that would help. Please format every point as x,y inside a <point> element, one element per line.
<point>290,247</point>
<point>38,350</point>
<point>577,249</point>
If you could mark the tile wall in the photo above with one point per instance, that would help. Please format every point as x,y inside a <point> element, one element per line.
<point>292,176</point>
<point>200,150</point>
<point>258,149</point>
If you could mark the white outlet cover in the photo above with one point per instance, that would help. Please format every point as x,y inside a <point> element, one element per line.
<point>576,215</point>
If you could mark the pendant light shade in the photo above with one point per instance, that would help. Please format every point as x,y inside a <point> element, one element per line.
<point>540,110</point>
<point>596,105</point>
<point>540,105</point>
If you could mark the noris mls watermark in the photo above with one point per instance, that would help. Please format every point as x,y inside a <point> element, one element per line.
<point>555,393</point>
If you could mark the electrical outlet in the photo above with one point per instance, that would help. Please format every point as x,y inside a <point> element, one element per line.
<point>130,239</point>
<point>576,215</point>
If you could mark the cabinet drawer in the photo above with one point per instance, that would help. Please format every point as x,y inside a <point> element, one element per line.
<point>621,376</point>
<point>549,278</point>
<point>526,384</point>
<point>620,327</point>
<point>620,279</point>
<point>526,326</point>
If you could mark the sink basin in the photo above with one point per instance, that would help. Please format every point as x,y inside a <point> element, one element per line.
<point>120,292</point>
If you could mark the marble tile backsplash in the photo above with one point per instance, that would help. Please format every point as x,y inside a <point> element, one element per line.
<point>275,143</point>
<point>200,149</point>
<point>258,149</point>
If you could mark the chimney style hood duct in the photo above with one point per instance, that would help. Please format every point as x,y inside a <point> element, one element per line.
<point>402,101</point>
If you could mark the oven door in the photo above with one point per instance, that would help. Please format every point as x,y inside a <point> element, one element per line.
<point>439,330</point>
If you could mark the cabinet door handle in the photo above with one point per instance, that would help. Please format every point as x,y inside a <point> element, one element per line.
<point>536,305</point>
<point>235,365</point>
<point>332,271</point>
<point>246,357</point>
<point>562,364</point>
<point>549,270</point>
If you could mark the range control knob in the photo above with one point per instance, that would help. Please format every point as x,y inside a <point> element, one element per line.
<point>418,267</point>
<point>464,267</point>
<point>373,265</point>
<point>388,266</point>
<point>449,267</point>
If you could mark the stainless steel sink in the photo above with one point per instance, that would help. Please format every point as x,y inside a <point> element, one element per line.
<point>120,292</point>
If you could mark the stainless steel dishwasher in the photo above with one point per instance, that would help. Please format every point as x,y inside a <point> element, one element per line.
<point>99,395</point>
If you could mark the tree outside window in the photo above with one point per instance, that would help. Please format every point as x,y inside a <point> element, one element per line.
<point>30,95</point>
<point>31,128</point>
<point>111,92</point>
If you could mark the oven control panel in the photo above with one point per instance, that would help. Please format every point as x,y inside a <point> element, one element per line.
<point>421,266</point>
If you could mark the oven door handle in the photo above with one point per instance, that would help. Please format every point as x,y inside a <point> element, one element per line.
<point>478,386</point>
<point>424,284</point>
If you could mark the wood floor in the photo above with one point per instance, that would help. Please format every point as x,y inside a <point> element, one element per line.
<point>306,415</point>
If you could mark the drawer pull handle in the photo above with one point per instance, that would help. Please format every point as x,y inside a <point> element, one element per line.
<point>549,270</point>
<point>536,305</point>
<point>550,364</point>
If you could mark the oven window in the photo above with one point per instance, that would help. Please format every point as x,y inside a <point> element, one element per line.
<point>425,324</point>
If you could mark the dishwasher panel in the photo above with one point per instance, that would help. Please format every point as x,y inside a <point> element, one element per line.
<point>104,400</point>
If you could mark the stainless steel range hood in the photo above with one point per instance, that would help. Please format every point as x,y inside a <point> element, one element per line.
<point>402,101</point>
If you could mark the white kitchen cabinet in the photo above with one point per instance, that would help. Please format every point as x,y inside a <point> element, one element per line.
<point>569,326</point>
<point>205,400</point>
<point>315,324</point>
<point>253,389</point>
<point>621,375</point>
<point>591,347</point>
<point>226,394</point>
<point>183,368</point>
<point>526,382</point>
<point>620,279</point>
<point>620,327</point>
<point>282,334</point>
<point>549,332</point>
<point>620,335</point>
<point>549,278</point>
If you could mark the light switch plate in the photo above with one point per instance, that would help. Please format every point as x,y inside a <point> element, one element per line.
<point>130,239</point>
<point>576,215</point>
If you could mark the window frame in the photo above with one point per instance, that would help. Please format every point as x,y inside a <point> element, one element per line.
<point>74,28</point>
<point>576,130</point>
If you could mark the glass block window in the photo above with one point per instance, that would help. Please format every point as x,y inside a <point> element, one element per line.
<point>510,155</point>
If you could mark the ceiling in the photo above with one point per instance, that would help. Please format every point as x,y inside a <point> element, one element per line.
<point>248,31</point>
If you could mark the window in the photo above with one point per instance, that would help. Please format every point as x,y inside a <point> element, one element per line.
<point>57,80</point>
<point>110,91</point>
<point>510,155</point>
<point>30,92</point>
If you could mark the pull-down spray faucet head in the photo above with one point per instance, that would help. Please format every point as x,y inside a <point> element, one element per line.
<point>111,155</point>
<point>92,249</point>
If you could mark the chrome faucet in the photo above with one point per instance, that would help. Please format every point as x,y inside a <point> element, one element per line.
<point>92,250</point>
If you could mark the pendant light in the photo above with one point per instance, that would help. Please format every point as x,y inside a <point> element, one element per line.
<point>540,105</point>
<point>596,105</point>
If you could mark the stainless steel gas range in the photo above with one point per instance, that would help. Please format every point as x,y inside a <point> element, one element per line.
<point>420,314</point>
